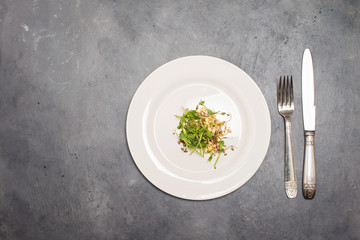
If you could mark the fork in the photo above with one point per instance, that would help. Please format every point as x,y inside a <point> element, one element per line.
<point>285,102</point>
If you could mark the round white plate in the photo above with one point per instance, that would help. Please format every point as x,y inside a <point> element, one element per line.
<point>151,123</point>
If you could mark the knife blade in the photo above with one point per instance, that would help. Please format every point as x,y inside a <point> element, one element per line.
<point>309,113</point>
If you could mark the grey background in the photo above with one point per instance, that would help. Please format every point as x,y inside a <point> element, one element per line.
<point>69,69</point>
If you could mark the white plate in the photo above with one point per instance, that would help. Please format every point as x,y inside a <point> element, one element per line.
<point>151,122</point>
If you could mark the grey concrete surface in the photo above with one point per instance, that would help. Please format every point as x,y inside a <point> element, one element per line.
<point>68,70</point>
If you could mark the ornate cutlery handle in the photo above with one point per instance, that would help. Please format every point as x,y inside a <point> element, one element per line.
<point>290,174</point>
<point>309,178</point>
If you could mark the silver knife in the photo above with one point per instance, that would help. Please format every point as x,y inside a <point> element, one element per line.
<point>309,111</point>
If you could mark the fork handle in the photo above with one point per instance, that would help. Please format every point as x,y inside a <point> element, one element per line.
<point>290,174</point>
<point>309,177</point>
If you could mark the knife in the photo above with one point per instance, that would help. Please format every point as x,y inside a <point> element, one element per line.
<point>309,111</point>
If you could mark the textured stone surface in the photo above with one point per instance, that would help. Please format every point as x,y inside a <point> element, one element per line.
<point>68,70</point>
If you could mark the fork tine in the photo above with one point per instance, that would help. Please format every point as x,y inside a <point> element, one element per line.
<point>287,91</point>
<point>279,92</point>
<point>283,91</point>
<point>291,92</point>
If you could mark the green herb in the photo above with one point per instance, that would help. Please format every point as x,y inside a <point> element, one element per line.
<point>202,132</point>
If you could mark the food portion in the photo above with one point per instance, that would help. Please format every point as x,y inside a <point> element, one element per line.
<point>200,131</point>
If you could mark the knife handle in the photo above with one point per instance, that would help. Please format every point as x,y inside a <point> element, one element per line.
<point>309,177</point>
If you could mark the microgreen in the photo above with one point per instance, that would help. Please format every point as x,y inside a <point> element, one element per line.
<point>202,132</point>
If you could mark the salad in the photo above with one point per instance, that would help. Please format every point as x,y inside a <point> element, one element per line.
<point>201,132</point>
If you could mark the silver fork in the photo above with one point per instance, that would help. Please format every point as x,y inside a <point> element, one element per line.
<point>285,101</point>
